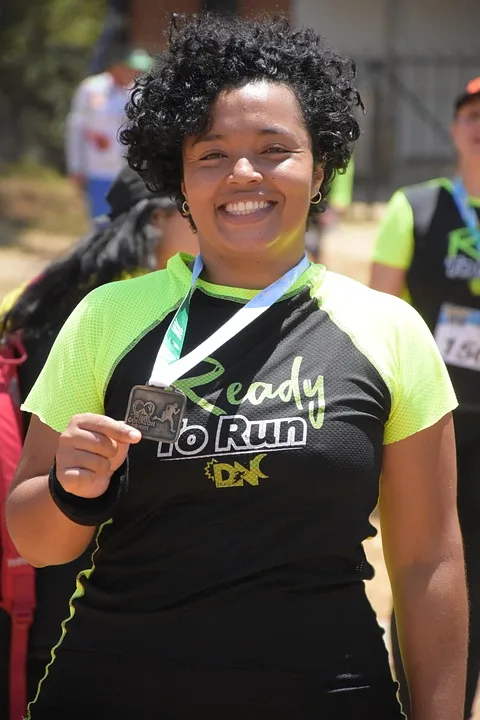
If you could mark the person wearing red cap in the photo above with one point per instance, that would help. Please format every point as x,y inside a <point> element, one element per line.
<point>428,251</point>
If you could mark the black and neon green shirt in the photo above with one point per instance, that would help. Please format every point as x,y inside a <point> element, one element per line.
<point>423,233</point>
<point>239,548</point>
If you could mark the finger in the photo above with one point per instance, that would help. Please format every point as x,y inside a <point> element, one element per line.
<point>91,441</point>
<point>84,483</point>
<point>81,459</point>
<point>114,429</point>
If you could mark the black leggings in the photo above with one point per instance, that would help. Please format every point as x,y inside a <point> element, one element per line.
<point>467,431</point>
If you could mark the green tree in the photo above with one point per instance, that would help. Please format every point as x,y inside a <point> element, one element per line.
<point>46,48</point>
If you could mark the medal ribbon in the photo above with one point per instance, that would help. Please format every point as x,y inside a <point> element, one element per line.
<point>169,366</point>
<point>467,212</point>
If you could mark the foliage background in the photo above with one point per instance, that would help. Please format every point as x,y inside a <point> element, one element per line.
<point>45,51</point>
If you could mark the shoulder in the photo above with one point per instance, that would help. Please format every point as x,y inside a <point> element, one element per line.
<point>126,294</point>
<point>143,298</point>
<point>362,307</point>
<point>429,188</point>
<point>382,326</point>
<point>396,341</point>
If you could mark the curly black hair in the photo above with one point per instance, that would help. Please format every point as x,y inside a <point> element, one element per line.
<point>208,53</point>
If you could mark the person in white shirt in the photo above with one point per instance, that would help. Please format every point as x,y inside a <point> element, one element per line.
<point>93,155</point>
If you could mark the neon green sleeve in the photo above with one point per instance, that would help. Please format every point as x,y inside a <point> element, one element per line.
<point>422,392</point>
<point>99,332</point>
<point>395,242</point>
<point>397,342</point>
<point>68,383</point>
<point>340,195</point>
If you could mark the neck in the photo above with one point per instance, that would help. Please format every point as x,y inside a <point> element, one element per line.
<point>248,273</point>
<point>470,174</point>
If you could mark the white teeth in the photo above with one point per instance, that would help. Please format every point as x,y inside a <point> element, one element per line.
<point>246,208</point>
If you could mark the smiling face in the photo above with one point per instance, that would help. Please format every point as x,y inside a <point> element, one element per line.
<point>466,129</point>
<point>249,180</point>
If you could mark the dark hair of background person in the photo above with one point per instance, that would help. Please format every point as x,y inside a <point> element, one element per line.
<point>209,53</point>
<point>126,245</point>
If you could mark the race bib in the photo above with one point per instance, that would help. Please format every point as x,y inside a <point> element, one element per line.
<point>458,336</point>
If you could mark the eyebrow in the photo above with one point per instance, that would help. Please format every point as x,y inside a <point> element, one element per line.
<point>213,137</point>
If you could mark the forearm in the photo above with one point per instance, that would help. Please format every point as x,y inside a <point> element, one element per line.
<point>42,534</point>
<point>432,617</point>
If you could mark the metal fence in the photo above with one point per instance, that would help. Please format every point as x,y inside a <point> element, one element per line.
<point>409,107</point>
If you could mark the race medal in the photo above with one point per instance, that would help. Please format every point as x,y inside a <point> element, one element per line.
<point>157,412</point>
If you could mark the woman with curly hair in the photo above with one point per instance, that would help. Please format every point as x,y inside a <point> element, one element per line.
<point>221,427</point>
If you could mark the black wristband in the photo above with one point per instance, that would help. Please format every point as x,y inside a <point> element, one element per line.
<point>89,511</point>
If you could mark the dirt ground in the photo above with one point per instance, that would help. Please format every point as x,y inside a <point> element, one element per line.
<point>40,217</point>
<point>26,245</point>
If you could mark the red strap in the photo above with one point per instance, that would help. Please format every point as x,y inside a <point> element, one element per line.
<point>17,578</point>
<point>18,664</point>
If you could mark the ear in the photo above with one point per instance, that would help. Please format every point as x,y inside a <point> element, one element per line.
<point>182,188</point>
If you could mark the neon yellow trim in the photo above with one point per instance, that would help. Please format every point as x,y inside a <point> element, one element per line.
<point>78,593</point>
<point>105,325</point>
<point>243,294</point>
<point>392,336</point>
<point>10,299</point>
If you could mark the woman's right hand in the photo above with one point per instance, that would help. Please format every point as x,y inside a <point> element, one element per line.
<point>90,450</point>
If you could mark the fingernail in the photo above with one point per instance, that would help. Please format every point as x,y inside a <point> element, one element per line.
<point>135,434</point>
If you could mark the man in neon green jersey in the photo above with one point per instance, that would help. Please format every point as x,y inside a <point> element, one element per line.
<point>428,251</point>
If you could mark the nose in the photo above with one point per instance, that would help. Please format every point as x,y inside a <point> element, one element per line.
<point>244,171</point>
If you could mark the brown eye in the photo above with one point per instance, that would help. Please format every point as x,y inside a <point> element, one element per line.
<point>213,156</point>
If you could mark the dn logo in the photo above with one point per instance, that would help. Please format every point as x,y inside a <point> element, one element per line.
<point>236,475</point>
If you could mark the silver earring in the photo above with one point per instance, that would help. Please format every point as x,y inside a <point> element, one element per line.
<point>185,208</point>
<point>316,199</point>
